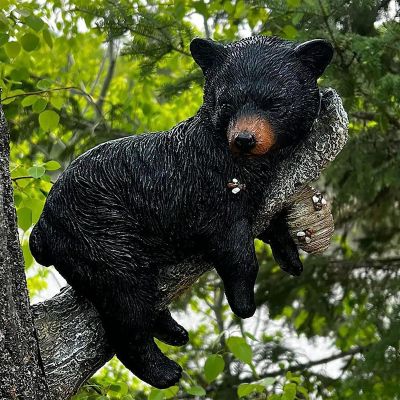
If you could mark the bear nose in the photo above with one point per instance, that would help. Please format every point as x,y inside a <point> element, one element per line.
<point>245,141</point>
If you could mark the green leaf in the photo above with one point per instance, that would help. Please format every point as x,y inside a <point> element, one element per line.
<point>156,394</point>
<point>289,391</point>
<point>44,84</point>
<point>80,396</point>
<point>19,74</point>
<point>300,319</point>
<point>303,391</point>
<point>17,198</point>
<point>12,49</point>
<point>245,389</point>
<point>46,178</point>
<point>49,120</point>
<point>28,258</point>
<point>292,378</point>
<point>3,22</point>
<point>30,100</point>
<point>39,105</point>
<point>120,389</point>
<point>293,3</point>
<point>179,9</point>
<point>297,17</point>
<point>36,171</point>
<point>30,41</point>
<point>24,218</point>
<point>36,205</point>
<point>11,94</point>
<point>34,22</point>
<point>266,381</point>
<point>52,165</point>
<point>170,392</point>
<point>196,391</point>
<point>19,172</point>
<point>213,367</point>
<point>3,38</point>
<point>23,12</point>
<point>240,349</point>
<point>287,311</point>
<point>57,101</point>
<point>290,32</point>
<point>201,8</point>
<point>47,38</point>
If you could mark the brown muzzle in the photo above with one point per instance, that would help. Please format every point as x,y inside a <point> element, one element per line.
<point>250,135</point>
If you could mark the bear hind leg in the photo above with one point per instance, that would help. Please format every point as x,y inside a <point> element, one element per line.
<point>126,307</point>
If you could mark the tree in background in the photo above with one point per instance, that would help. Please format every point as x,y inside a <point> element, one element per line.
<point>77,73</point>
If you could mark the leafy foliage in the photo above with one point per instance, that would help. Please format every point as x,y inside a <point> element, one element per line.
<point>77,73</point>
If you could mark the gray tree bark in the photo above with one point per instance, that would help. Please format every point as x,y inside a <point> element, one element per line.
<point>68,329</point>
<point>21,371</point>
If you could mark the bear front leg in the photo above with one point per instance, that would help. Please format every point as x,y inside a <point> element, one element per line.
<point>283,247</point>
<point>168,330</point>
<point>235,260</point>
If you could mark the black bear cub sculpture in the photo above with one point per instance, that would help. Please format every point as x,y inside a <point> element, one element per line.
<point>126,213</point>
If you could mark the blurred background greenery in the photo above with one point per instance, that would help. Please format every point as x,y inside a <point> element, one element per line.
<point>76,73</point>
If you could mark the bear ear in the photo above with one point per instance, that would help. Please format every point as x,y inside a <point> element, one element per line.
<point>316,54</point>
<point>205,52</point>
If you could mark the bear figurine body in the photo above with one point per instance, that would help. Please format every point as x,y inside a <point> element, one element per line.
<point>124,213</point>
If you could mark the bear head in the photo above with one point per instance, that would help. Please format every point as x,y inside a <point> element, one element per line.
<point>261,92</point>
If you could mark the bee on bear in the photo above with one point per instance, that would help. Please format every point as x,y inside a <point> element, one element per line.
<point>122,219</point>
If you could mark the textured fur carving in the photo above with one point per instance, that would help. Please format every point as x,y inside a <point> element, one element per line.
<point>127,210</point>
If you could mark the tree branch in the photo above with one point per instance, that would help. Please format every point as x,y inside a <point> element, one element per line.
<point>72,341</point>
<point>107,80</point>
<point>310,364</point>
<point>386,263</point>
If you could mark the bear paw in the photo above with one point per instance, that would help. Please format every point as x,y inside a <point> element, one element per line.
<point>151,366</point>
<point>169,331</point>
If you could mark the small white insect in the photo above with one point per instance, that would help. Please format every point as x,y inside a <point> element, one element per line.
<point>234,180</point>
<point>300,234</point>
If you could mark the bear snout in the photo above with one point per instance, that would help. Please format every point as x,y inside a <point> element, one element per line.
<point>245,141</point>
<point>250,135</point>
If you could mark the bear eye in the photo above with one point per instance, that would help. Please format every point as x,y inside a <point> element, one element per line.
<point>226,106</point>
<point>273,106</point>
<point>226,109</point>
<point>270,105</point>
<point>225,113</point>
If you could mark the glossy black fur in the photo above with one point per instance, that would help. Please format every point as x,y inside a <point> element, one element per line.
<point>123,214</point>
